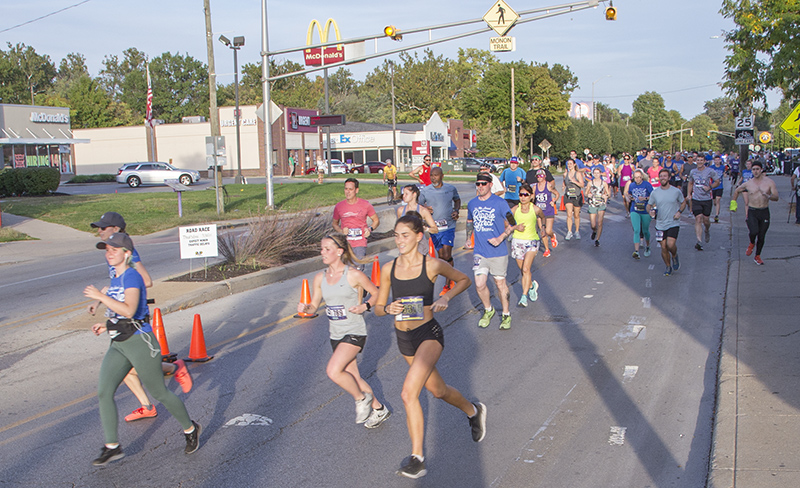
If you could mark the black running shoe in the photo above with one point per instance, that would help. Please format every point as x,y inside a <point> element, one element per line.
<point>478,422</point>
<point>412,468</point>
<point>108,455</point>
<point>193,439</point>
<point>594,234</point>
<point>698,246</point>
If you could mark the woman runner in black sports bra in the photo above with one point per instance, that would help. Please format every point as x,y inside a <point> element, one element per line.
<point>411,277</point>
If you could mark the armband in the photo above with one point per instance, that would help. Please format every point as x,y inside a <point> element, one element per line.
<point>369,307</point>
<point>510,218</point>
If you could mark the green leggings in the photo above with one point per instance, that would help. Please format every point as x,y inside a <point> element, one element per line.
<point>641,225</point>
<point>120,358</point>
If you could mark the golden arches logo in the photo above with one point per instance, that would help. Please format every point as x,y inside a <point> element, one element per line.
<point>330,54</point>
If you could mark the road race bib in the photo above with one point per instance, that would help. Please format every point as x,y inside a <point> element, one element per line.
<point>354,234</point>
<point>640,206</point>
<point>476,262</point>
<point>441,224</point>
<point>413,309</point>
<point>336,312</point>
<point>542,205</point>
<point>572,191</point>
<point>659,235</point>
<point>512,188</point>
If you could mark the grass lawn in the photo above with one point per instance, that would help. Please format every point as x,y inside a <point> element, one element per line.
<point>146,213</point>
<point>7,234</point>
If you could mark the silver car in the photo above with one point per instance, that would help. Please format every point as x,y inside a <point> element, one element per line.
<point>154,173</point>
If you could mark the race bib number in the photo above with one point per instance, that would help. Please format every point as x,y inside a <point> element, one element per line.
<point>626,178</point>
<point>413,309</point>
<point>336,312</point>
<point>441,224</point>
<point>476,262</point>
<point>512,188</point>
<point>659,235</point>
<point>542,205</point>
<point>354,234</point>
<point>640,206</point>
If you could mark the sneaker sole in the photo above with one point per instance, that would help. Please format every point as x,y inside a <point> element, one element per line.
<point>382,420</point>
<point>127,419</point>
<point>199,431</point>
<point>115,457</point>
<point>412,476</point>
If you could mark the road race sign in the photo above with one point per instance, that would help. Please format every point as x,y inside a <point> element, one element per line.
<point>198,241</point>
<point>792,123</point>
<point>501,17</point>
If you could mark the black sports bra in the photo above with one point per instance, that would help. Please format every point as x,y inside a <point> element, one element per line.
<point>419,286</point>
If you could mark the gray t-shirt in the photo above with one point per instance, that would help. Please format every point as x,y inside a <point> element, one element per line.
<point>702,179</point>
<point>668,202</point>
<point>441,200</point>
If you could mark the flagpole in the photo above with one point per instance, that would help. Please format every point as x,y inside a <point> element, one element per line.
<point>150,127</point>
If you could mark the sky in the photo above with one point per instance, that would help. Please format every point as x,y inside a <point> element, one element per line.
<point>667,46</point>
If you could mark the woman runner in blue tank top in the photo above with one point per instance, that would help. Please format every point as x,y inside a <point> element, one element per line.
<point>340,286</point>
<point>419,337</point>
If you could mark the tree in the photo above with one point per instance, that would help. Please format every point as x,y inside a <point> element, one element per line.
<point>604,113</point>
<point>594,137</point>
<point>649,108</point>
<point>764,50</point>
<point>180,87</point>
<point>24,67</point>
<point>562,75</point>
<point>621,140</point>
<point>702,140</point>
<point>125,80</point>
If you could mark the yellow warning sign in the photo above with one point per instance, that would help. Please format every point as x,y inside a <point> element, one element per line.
<point>792,123</point>
<point>765,137</point>
<point>501,17</point>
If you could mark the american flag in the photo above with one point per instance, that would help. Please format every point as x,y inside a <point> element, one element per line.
<point>149,114</point>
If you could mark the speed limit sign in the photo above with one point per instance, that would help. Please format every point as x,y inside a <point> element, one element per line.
<point>745,122</point>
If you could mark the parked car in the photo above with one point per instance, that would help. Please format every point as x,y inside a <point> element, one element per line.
<point>336,167</point>
<point>368,167</point>
<point>472,164</point>
<point>154,173</point>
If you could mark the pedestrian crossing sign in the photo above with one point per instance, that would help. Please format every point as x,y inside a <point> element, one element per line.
<point>501,17</point>
<point>792,123</point>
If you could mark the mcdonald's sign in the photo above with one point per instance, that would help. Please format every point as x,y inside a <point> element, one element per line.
<point>327,55</point>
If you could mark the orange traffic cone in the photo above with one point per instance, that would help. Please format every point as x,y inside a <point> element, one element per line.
<point>376,272</point>
<point>161,335</point>
<point>431,247</point>
<point>197,350</point>
<point>562,207</point>
<point>305,299</point>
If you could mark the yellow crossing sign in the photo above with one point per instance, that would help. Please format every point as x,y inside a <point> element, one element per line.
<point>792,123</point>
<point>501,17</point>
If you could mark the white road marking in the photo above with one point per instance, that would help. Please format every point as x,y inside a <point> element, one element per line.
<point>588,296</point>
<point>523,455</point>
<point>648,283</point>
<point>637,320</point>
<point>617,437</point>
<point>599,282</point>
<point>629,333</point>
<point>646,302</point>
<point>652,266</point>
<point>248,419</point>
<point>630,372</point>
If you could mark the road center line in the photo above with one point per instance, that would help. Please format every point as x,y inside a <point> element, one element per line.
<point>50,276</point>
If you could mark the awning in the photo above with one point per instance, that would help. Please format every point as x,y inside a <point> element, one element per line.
<point>44,142</point>
<point>453,146</point>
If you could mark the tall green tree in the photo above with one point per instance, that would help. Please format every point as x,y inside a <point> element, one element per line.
<point>24,73</point>
<point>180,87</point>
<point>649,108</point>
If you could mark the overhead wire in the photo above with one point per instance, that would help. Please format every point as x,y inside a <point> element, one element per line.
<point>44,16</point>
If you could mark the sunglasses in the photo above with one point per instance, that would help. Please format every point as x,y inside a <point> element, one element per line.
<point>541,176</point>
<point>524,194</point>
<point>481,183</point>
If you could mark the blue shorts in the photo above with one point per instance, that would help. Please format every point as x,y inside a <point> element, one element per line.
<point>443,238</point>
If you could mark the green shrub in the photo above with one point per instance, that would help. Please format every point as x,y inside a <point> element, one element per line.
<point>101,178</point>
<point>31,181</point>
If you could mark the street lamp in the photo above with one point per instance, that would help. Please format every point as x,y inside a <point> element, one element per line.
<point>237,43</point>
<point>595,81</point>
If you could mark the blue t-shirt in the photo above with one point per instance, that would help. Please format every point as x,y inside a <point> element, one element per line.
<point>441,200</point>
<point>116,290</point>
<point>640,191</point>
<point>488,217</point>
<point>746,175</point>
<point>734,165</point>
<point>509,179</point>
<point>599,166</point>
<point>720,170</point>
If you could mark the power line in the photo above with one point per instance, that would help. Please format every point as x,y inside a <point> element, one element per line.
<point>669,91</point>
<point>45,16</point>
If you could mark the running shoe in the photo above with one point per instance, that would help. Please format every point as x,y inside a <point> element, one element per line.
<point>108,455</point>
<point>675,263</point>
<point>635,254</point>
<point>758,260</point>
<point>505,322</point>
<point>647,252</point>
<point>478,422</point>
<point>716,219</point>
<point>597,243</point>
<point>141,413</point>
<point>363,408</point>
<point>553,242</point>
<point>412,468</point>
<point>523,301</point>
<point>668,272</point>
<point>698,246</point>
<point>594,234</point>
<point>377,417</point>
<point>487,317</point>
<point>446,288</point>
<point>533,293</point>
<point>708,234</point>
<point>750,248</point>
<point>193,438</point>
<point>182,376</point>
<point>578,235</point>
<point>546,253</point>
<point>568,236</point>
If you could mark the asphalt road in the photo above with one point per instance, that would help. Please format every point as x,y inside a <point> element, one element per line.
<point>607,380</point>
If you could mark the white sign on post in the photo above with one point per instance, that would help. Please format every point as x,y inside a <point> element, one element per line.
<point>198,241</point>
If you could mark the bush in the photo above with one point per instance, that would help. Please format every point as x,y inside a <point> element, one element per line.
<point>101,178</point>
<point>33,181</point>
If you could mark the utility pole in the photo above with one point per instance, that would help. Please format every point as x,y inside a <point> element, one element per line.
<point>213,113</point>
<point>513,117</point>
<point>394,122</point>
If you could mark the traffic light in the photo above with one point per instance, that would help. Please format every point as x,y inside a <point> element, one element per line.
<point>611,12</point>
<point>393,33</point>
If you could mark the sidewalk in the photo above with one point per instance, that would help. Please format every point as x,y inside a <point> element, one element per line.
<point>757,426</point>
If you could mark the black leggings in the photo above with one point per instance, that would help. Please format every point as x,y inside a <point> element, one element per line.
<point>758,224</point>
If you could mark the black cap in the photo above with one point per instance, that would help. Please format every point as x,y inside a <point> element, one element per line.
<point>110,219</point>
<point>117,239</point>
<point>484,177</point>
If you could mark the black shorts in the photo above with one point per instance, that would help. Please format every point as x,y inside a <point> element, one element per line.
<point>701,207</point>
<point>671,232</point>
<point>575,201</point>
<point>356,340</point>
<point>408,341</point>
<point>717,193</point>
<point>392,182</point>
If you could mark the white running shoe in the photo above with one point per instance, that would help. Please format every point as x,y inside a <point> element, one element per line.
<point>363,408</point>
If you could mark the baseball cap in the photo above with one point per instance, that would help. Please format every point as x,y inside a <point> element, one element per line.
<point>110,219</point>
<point>117,239</point>
<point>484,164</point>
<point>484,177</point>
<point>536,156</point>
<point>514,159</point>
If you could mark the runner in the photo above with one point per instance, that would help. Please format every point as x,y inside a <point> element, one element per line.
<point>761,190</point>
<point>133,345</point>
<point>612,170</point>
<point>411,204</point>
<point>573,198</point>
<point>701,180</point>
<point>669,202</point>
<point>511,178</point>
<point>688,166</point>
<point>717,191</point>
<point>796,189</point>
<point>422,173</point>
<point>652,172</point>
<point>497,186</point>
<point>598,195</point>
<point>733,161</point>
<point>420,338</point>
<point>444,203</point>
<point>546,196</point>
<point>341,287</point>
<point>350,218</point>
<point>491,216</point>
<point>625,176</point>
<point>525,241</point>
<point>747,175</point>
<point>390,178</point>
<point>638,192</point>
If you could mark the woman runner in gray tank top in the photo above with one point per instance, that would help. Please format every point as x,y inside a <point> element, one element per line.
<point>340,285</point>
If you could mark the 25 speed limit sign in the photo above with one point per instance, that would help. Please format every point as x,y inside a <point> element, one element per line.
<point>745,122</point>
